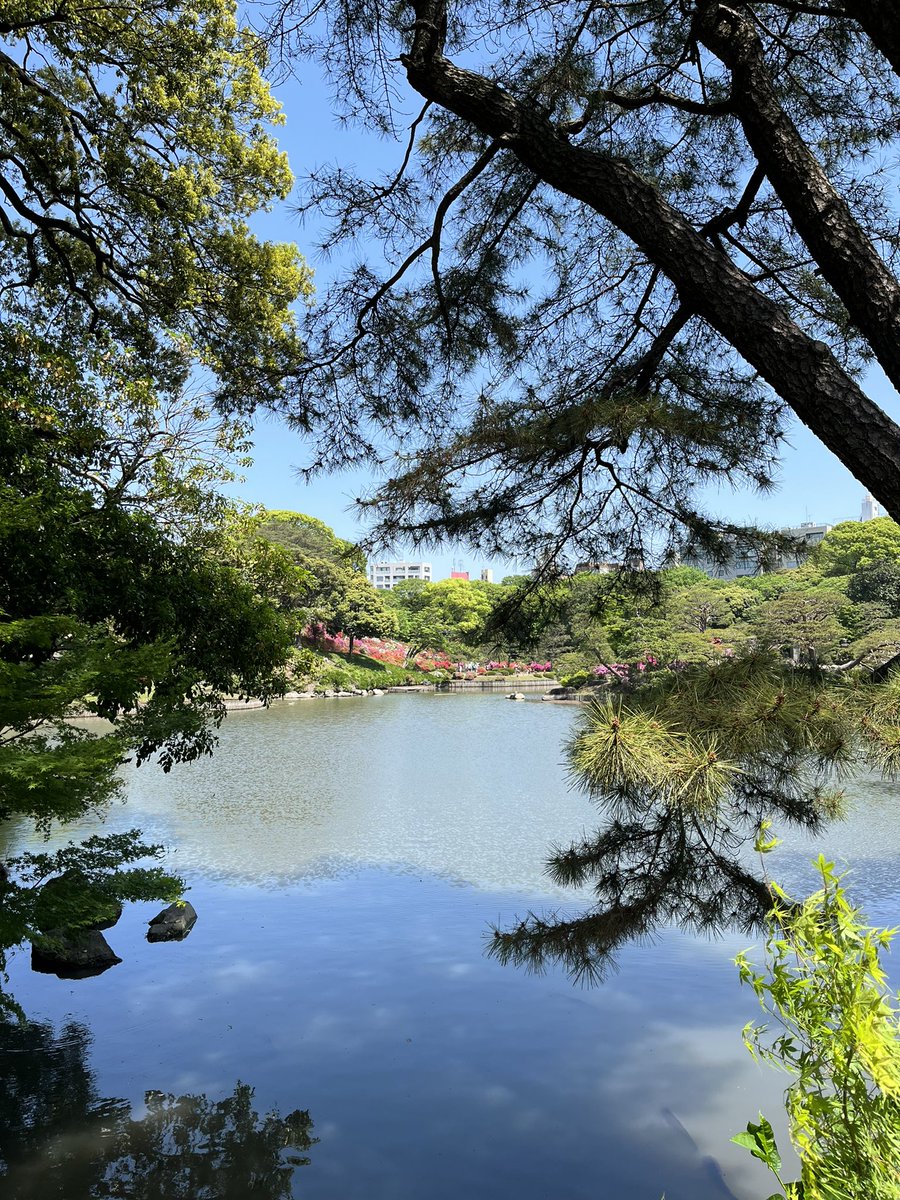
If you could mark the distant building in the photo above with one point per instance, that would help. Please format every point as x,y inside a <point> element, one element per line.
<point>733,567</point>
<point>596,568</point>
<point>386,575</point>
<point>870,508</point>
<point>487,575</point>
<point>742,563</point>
<point>459,575</point>
<point>810,534</point>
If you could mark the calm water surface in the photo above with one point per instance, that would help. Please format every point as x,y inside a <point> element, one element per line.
<point>347,858</point>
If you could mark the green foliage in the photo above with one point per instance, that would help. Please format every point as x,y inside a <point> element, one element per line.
<point>335,679</point>
<point>450,616</point>
<point>803,621</point>
<point>838,1034</point>
<point>856,545</point>
<point>309,538</point>
<point>81,885</point>
<point>681,617</point>
<point>711,604</point>
<point>130,592</point>
<point>878,583</point>
<point>577,679</point>
<point>759,1139</point>
<point>362,672</point>
<point>166,115</point>
<point>328,590</point>
<point>359,611</point>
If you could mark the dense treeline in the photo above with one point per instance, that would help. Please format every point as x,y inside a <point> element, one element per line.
<point>841,609</point>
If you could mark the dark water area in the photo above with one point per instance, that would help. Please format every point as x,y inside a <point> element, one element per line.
<point>347,859</point>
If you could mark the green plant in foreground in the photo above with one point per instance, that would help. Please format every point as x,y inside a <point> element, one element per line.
<point>824,985</point>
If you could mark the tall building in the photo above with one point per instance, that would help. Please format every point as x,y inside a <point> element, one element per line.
<point>596,568</point>
<point>386,575</point>
<point>459,575</point>
<point>870,508</point>
<point>487,575</point>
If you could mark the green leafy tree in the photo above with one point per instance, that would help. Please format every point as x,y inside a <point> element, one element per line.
<point>877,583</point>
<point>109,609</point>
<point>704,606</point>
<point>422,629</point>
<point>137,144</point>
<point>357,610</point>
<point>805,623</point>
<point>834,1026</point>
<point>464,608</point>
<point>309,538</point>
<point>328,592</point>
<point>854,545</point>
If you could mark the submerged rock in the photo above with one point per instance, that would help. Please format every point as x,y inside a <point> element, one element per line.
<point>173,923</point>
<point>73,955</point>
<point>515,696</point>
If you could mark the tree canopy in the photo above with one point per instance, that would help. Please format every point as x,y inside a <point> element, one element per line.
<point>135,145</point>
<point>109,611</point>
<point>621,244</point>
<point>141,322</point>
<point>855,544</point>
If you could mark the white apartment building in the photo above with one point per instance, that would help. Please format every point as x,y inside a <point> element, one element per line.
<point>385,575</point>
<point>870,508</point>
<point>810,533</point>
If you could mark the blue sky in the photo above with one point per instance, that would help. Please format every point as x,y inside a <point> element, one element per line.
<point>813,485</point>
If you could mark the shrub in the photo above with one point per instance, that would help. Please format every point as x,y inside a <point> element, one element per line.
<point>840,1039</point>
<point>578,679</point>
<point>335,679</point>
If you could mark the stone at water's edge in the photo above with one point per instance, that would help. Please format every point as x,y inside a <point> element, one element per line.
<point>73,955</point>
<point>173,923</point>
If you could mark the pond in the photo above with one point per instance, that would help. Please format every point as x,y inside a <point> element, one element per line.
<point>347,859</point>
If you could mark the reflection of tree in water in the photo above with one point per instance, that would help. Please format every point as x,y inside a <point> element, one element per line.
<point>60,1141</point>
<point>689,772</point>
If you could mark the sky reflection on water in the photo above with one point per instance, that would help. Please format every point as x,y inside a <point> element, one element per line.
<point>346,859</point>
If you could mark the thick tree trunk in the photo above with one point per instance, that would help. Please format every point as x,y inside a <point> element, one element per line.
<point>352,639</point>
<point>802,370</point>
<point>881,21</point>
<point>840,246</point>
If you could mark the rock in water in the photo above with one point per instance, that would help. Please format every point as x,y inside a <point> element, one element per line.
<point>73,955</point>
<point>173,923</point>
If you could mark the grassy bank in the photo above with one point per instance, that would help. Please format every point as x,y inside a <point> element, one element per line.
<point>337,671</point>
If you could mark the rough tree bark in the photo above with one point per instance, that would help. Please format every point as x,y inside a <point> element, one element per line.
<point>802,370</point>
<point>840,246</point>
